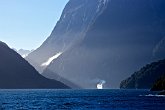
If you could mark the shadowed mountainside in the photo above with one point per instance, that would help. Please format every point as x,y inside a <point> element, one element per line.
<point>16,73</point>
<point>103,40</point>
<point>159,85</point>
<point>146,77</point>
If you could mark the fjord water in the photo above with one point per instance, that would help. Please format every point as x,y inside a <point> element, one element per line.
<point>81,99</point>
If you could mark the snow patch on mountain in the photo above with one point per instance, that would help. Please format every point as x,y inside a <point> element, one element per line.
<point>25,55</point>
<point>51,59</point>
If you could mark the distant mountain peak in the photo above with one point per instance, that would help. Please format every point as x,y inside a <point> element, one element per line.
<point>24,53</point>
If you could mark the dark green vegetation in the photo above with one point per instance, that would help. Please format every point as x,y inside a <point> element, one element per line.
<point>146,77</point>
<point>159,85</point>
<point>162,93</point>
<point>17,73</point>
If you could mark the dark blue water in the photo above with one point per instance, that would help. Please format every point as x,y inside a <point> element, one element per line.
<point>80,100</point>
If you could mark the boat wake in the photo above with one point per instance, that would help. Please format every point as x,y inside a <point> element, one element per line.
<point>151,95</point>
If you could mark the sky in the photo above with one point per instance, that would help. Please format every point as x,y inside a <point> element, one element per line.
<point>25,24</point>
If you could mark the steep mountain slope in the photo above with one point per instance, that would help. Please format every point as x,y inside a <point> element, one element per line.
<point>122,36</point>
<point>145,77</point>
<point>16,73</point>
<point>75,20</point>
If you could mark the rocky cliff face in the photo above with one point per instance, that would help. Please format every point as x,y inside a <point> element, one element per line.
<point>16,73</point>
<point>75,20</point>
<point>106,40</point>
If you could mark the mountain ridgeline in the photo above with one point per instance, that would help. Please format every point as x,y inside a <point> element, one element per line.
<point>75,20</point>
<point>17,73</point>
<point>97,40</point>
<point>146,77</point>
<point>23,52</point>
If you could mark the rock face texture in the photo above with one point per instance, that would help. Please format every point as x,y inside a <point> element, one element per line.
<point>97,40</point>
<point>146,77</point>
<point>16,73</point>
<point>75,21</point>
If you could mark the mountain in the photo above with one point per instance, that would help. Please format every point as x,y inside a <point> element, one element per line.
<point>16,73</point>
<point>24,53</point>
<point>145,77</point>
<point>75,20</point>
<point>159,85</point>
<point>97,40</point>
